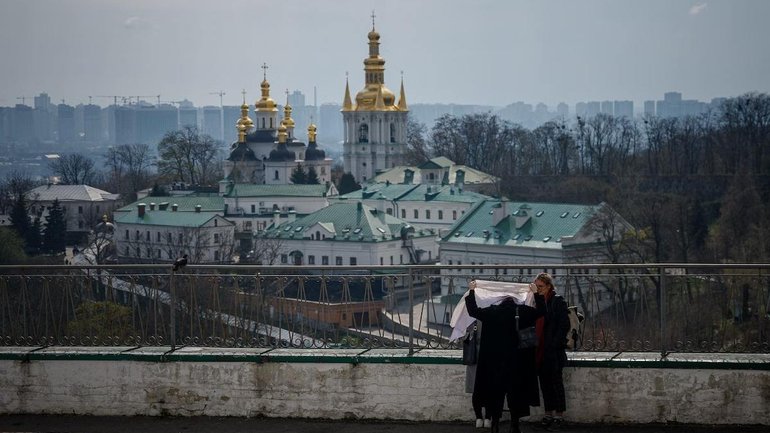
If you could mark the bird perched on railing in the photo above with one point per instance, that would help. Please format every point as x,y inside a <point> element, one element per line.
<point>180,263</point>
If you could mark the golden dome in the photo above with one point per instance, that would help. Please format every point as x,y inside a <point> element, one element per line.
<point>266,103</point>
<point>287,120</point>
<point>282,135</point>
<point>244,123</point>
<point>311,133</point>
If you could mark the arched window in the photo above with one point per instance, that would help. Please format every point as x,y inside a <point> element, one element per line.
<point>277,177</point>
<point>318,235</point>
<point>392,132</point>
<point>363,133</point>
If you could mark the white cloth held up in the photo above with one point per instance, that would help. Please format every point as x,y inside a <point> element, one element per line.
<point>488,293</point>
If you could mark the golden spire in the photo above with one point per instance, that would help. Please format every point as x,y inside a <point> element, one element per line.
<point>266,103</point>
<point>347,105</point>
<point>287,120</point>
<point>244,124</point>
<point>379,103</point>
<point>402,98</point>
<point>374,77</point>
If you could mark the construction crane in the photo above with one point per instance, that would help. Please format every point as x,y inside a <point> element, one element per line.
<point>142,96</point>
<point>24,99</point>
<point>114,97</point>
<point>221,93</point>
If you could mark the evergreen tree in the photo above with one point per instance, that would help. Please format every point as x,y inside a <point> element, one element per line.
<point>158,191</point>
<point>35,237</point>
<point>55,232</point>
<point>312,176</point>
<point>298,176</point>
<point>19,219</point>
<point>347,184</point>
<point>11,247</point>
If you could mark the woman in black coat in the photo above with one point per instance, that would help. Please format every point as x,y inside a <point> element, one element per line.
<point>551,358</point>
<point>502,367</point>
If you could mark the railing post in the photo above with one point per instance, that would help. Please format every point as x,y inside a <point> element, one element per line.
<point>411,311</point>
<point>662,277</point>
<point>172,292</point>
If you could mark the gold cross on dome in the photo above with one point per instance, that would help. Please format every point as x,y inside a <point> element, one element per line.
<point>264,68</point>
<point>373,15</point>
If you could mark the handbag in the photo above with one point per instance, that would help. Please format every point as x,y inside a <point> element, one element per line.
<point>470,354</point>
<point>527,336</point>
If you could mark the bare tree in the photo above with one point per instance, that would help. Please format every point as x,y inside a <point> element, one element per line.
<point>74,169</point>
<point>266,250</point>
<point>129,167</point>
<point>188,156</point>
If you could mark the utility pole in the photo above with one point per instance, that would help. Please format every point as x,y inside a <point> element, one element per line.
<point>221,93</point>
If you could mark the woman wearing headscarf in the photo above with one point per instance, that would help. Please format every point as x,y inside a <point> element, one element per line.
<point>504,369</point>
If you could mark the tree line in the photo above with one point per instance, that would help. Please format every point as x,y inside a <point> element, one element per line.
<point>696,189</point>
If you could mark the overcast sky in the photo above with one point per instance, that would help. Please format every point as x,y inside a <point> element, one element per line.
<point>450,51</point>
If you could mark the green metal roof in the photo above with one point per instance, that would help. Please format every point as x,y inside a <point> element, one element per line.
<point>396,174</point>
<point>251,190</point>
<point>548,223</point>
<point>165,218</point>
<point>186,203</point>
<point>349,222</point>
<point>418,192</point>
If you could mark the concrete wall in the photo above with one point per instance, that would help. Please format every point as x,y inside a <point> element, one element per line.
<point>374,386</point>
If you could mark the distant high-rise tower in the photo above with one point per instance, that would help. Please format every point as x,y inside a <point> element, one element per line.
<point>375,125</point>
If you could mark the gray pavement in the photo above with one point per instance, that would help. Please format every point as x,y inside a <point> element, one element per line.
<point>94,424</point>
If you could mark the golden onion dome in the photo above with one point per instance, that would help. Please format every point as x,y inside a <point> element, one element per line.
<point>244,120</point>
<point>312,131</point>
<point>287,120</point>
<point>282,135</point>
<point>266,103</point>
<point>366,99</point>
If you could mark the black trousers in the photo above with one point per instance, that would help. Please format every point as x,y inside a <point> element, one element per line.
<point>552,386</point>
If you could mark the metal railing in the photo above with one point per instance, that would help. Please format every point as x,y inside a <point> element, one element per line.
<point>629,307</point>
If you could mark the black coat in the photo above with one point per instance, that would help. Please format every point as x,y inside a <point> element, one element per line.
<point>502,367</point>
<point>555,332</point>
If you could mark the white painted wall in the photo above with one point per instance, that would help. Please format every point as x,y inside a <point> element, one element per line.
<point>417,392</point>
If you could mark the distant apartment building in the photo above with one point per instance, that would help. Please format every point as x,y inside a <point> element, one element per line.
<point>623,109</point>
<point>211,123</point>
<point>154,121</point>
<point>231,115</point>
<point>188,116</point>
<point>92,124</point>
<point>65,123</point>
<point>562,110</point>
<point>649,108</point>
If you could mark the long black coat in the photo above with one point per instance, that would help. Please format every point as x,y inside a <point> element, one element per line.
<point>502,367</point>
<point>555,333</point>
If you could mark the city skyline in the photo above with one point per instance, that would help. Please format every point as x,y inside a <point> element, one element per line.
<point>494,53</point>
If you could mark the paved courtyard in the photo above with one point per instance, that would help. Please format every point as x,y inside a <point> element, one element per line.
<point>95,424</point>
